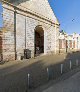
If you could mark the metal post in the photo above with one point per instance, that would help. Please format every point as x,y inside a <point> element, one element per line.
<point>61,68</point>
<point>70,64</point>
<point>77,62</point>
<point>48,74</point>
<point>28,80</point>
<point>15,34</point>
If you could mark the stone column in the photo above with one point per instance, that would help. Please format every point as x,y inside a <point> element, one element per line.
<point>45,42</point>
<point>55,38</point>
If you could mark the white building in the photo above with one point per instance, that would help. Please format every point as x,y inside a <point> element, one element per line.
<point>69,41</point>
<point>31,25</point>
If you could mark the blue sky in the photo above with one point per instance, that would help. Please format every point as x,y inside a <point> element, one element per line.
<point>67,12</point>
<point>0,15</point>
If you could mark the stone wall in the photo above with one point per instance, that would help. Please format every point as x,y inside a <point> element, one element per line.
<point>40,7</point>
<point>29,28</point>
<point>8,34</point>
<point>25,29</point>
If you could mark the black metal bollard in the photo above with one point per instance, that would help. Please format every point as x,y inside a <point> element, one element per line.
<point>77,62</point>
<point>48,76</point>
<point>61,68</point>
<point>70,64</point>
<point>28,80</point>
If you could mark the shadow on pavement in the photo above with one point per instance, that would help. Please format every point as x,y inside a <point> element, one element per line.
<point>14,79</point>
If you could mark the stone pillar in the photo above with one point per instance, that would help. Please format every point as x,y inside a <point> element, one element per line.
<point>45,43</point>
<point>55,38</point>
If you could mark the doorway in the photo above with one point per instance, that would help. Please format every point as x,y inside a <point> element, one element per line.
<point>39,40</point>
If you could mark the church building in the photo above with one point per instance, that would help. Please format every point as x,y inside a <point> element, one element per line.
<point>30,28</point>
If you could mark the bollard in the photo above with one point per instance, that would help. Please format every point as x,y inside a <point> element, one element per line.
<point>48,74</point>
<point>61,68</point>
<point>70,64</point>
<point>28,80</point>
<point>77,62</point>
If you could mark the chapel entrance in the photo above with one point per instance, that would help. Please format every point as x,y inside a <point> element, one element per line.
<point>39,40</point>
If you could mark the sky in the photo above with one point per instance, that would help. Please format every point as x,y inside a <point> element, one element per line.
<point>67,12</point>
<point>1,23</point>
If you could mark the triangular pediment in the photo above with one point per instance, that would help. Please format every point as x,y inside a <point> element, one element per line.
<point>41,7</point>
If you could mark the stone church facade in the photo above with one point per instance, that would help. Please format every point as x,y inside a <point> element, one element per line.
<point>29,26</point>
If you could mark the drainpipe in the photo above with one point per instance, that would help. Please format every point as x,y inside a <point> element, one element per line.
<point>15,34</point>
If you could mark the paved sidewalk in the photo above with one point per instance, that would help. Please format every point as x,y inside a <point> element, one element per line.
<point>13,75</point>
<point>71,84</point>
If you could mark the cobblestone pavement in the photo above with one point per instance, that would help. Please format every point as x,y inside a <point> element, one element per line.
<point>13,75</point>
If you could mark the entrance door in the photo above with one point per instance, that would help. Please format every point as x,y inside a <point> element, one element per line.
<point>39,41</point>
